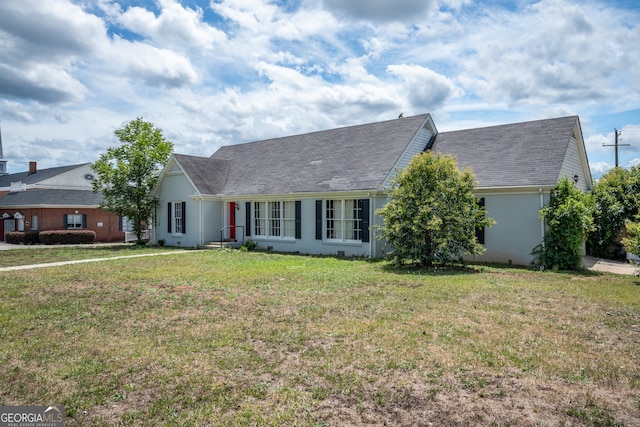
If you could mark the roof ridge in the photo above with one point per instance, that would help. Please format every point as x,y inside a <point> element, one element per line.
<point>550,119</point>
<point>340,128</point>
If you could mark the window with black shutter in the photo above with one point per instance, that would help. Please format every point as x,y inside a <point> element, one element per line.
<point>480,231</point>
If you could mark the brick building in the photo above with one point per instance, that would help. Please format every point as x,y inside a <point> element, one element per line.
<point>56,209</point>
<point>55,199</point>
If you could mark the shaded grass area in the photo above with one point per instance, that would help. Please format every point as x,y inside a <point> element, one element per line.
<point>47,254</point>
<point>233,338</point>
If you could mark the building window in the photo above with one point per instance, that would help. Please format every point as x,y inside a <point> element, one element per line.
<point>75,221</point>
<point>34,222</point>
<point>333,219</point>
<point>177,220</point>
<point>126,224</point>
<point>344,220</point>
<point>289,219</point>
<point>274,219</point>
<point>260,219</point>
<point>353,221</point>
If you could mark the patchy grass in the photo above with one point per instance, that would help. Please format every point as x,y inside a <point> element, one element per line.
<point>40,254</point>
<point>246,338</point>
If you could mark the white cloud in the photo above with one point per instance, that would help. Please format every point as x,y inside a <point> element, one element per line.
<point>176,25</point>
<point>41,43</point>
<point>426,89</point>
<point>212,72</point>
<point>162,68</point>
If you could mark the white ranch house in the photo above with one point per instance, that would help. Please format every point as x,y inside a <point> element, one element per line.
<point>317,193</point>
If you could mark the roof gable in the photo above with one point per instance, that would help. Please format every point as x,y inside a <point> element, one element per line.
<point>57,176</point>
<point>207,175</point>
<point>513,155</point>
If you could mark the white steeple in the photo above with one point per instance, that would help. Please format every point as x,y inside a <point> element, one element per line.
<point>3,162</point>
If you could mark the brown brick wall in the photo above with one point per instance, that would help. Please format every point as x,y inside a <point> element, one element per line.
<point>53,219</point>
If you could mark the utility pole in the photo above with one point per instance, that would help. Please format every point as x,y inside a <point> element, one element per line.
<point>616,145</point>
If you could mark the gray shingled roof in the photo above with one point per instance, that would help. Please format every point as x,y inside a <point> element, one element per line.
<point>519,154</point>
<point>208,175</point>
<point>51,197</point>
<point>344,159</point>
<point>34,178</point>
<point>361,157</point>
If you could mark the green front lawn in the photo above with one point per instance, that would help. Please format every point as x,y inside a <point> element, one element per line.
<point>41,254</point>
<point>212,338</point>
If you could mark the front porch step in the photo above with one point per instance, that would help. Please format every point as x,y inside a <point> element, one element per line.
<point>221,245</point>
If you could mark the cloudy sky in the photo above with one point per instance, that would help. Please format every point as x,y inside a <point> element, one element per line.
<point>218,72</point>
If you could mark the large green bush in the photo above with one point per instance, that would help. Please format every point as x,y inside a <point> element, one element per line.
<point>22,237</point>
<point>569,219</point>
<point>66,237</point>
<point>432,214</point>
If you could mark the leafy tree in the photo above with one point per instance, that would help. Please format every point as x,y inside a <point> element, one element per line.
<point>632,241</point>
<point>127,174</point>
<point>617,197</point>
<point>569,218</point>
<point>432,214</point>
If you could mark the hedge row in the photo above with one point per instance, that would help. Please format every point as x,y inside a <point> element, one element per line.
<point>22,238</point>
<point>52,237</point>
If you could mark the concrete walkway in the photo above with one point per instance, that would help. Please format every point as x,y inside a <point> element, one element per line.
<point>7,246</point>
<point>80,261</point>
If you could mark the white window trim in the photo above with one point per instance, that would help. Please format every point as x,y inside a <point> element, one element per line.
<point>342,219</point>
<point>174,219</point>
<point>266,218</point>
<point>73,227</point>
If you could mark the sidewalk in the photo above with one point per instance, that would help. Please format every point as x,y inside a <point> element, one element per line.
<point>7,246</point>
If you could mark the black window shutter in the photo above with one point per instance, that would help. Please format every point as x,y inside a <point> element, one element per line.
<point>64,219</point>
<point>120,219</point>
<point>184,217</point>
<point>298,219</point>
<point>318,219</point>
<point>365,220</point>
<point>84,221</point>
<point>480,231</point>
<point>170,218</point>
<point>247,219</point>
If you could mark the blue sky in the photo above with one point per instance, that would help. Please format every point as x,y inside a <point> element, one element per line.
<point>212,73</point>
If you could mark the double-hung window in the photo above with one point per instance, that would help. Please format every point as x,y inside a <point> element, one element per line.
<point>177,217</point>
<point>274,219</point>
<point>260,218</point>
<point>74,221</point>
<point>345,220</point>
<point>177,221</point>
<point>353,219</point>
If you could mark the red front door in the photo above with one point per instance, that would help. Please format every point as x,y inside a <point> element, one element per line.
<point>232,220</point>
